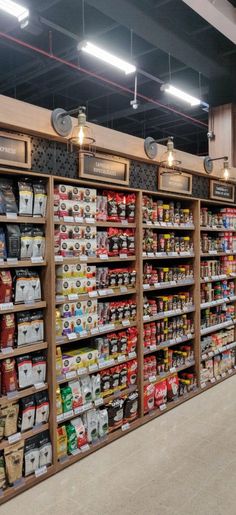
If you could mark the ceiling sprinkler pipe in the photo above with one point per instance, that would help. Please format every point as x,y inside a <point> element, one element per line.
<point>98,77</point>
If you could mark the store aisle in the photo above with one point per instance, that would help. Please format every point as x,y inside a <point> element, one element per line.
<point>182,462</point>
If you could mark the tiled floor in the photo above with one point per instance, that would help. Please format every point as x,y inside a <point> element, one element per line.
<point>181,463</point>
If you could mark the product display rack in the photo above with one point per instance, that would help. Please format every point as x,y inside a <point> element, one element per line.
<point>51,301</point>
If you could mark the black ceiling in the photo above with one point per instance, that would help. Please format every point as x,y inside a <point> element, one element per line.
<point>168,40</point>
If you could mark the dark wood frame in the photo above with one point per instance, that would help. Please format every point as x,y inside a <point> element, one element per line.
<point>27,163</point>
<point>109,157</point>
<point>223,199</point>
<point>174,190</point>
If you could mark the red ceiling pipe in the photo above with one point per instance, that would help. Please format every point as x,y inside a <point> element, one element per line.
<point>98,77</point>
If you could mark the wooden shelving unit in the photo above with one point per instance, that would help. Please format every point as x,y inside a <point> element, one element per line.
<point>51,302</point>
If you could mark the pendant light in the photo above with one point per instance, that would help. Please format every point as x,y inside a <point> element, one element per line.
<point>81,135</point>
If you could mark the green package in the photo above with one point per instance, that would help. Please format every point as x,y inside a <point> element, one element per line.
<point>67,398</point>
<point>71,438</point>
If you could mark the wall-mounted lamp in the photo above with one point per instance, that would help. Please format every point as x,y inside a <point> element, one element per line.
<point>208,165</point>
<point>81,135</point>
<point>169,157</point>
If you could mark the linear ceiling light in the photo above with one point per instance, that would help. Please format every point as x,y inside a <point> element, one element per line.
<point>172,90</point>
<point>17,10</point>
<point>105,56</point>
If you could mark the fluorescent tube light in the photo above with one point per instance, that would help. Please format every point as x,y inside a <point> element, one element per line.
<point>172,90</point>
<point>105,56</point>
<point>17,10</point>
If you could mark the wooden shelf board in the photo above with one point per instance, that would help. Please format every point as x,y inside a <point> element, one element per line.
<point>22,219</point>
<point>168,374</point>
<point>168,314</point>
<point>210,354</point>
<point>217,254</point>
<point>74,260</point>
<point>170,227</point>
<point>217,229</point>
<point>20,264</point>
<point>86,296</point>
<point>97,224</point>
<point>167,256</point>
<point>164,286</point>
<point>21,393</point>
<point>221,277</point>
<point>24,349</point>
<point>27,434</point>
<point>120,327</point>
<point>24,307</point>
<point>167,345</point>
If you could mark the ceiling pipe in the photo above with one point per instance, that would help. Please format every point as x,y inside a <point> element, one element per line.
<point>98,77</point>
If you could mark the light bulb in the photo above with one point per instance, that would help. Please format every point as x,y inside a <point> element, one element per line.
<point>81,136</point>
<point>170,158</point>
<point>226,170</point>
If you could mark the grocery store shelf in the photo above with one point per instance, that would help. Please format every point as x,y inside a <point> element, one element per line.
<point>217,327</point>
<point>103,365</point>
<point>21,307</point>
<point>215,254</point>
<point>168,343</point>
<point>165,255</point>
<point>24,484</point>
<point>210,354</point>
<point>123,224</point>
<point>173,370</point>
<point>108,292</point>
<point>168,314</point>
<point>21,263</point>
<point>22,219</point>
<point>97,332</point>
<point>23,349</point>
<point>214,382</point>
<point>19,394</point>
<point>170,284</point>
<point>23,436</point>
<point>157,412</point>
<point>215,278</point>
<point>86,259</point>
<point>216,229</point>
<point>218,302</point>
<point>168,225</point>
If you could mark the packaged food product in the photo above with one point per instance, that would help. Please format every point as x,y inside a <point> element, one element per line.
<point>80,431</point>
<point>92,425</point>
<point>77,399</point>
<point>8,374</point>
<point>26,413</point>
<point>41,408</point>
<point>26,241</point>
<point>7,330</point>
<point>3,482</point>
<point>61,442</point>
<point>14,462</point>
<point>131,407</point>
<point>71,438</point>
<point>40,198</point>
<point>25,198</point>
<point>31,455</point>
<point>172,387</point>
<point>39,366</point>
<point>24,370</point>
<point>102,422</point>
<point>10,414</point>
<point>7,197</point>
<point>45,449</point>
<point>67,398</point>
<point>160,393</point>
<point>5,286</point>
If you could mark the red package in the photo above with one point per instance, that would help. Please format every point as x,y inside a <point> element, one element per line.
<point>123,375</point>
<point>130,207</point>
<point>130,241</point>
<point>112,208</point>
<point>160,393</point>
<point>123,242</point>
<point>9,378</point>
<point>172,387</point>
<point>5,286</point>
<point>132,334</point>
<point>132,372</point>
<point>121,205</point>
<point>113,242</point>
<point>7,330</point>
<point>149,391</point>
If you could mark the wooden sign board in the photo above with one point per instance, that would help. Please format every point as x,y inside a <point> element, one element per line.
<point>104,168</point>
<point>222,191</point>
<point>175,182</point>
<point>15,150</point>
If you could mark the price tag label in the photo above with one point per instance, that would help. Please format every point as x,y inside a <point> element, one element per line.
<point>79,410</point>
<point>12,395</point>
<point>123,289</point>
<point>223,374</point>
<point>146,286</point>
<point>123,256</point>
<point>120,359</point>
<point>213,380</point>
<point>68,414</point>
<point>204,356</point>
<point>68,219</point>
<point>99,402</point>
<point>82,334</point>
<point>38,386</point>
<point>81,371</point>
<point>162,407</point>
<point>59,259</point>
<point>79,219</point>
<point>132,355</point>
<point>37,259</point>
<point>94,331</point>
<point>150,254</point>
<point>211,354</point>
<point>103,256</point>
<point>212,252</point>
<point>72,336</point>
<point>172,370</point>
<point>11,215</point>
<point>7,350</point>
<point>93,368</point>
<point>152,379</point>
<point>93,293</point>
<point>85,447</point>
<point>90,220</point>
<point>146,318</point>
<point>41,471</point>
<point>125,323</point>
<point>73,296</point>
<point>153,347</point>
<point>230,371</point>
<point>83,258</point>
<point>6,305</point>
<point>125,427</point>
<point>124,222</point>
<point>75,452</point>
<point>14,438</point>
<point>203,385</point>
<point>71,375</point>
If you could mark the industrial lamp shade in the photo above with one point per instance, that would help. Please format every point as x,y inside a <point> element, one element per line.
<point>82,136</point>
<point>169,158</point>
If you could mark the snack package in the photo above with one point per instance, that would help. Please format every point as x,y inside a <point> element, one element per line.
<point>71,438</point>
<point>40,198</point>
<point>131,407</point>
<point>45,449</point>
<point>3,249</point>
<point>26,241</point>
<point>7,330</point>
<point>61,442</point>
<point>39,366</point>
<point>80,431</point>
<point>96,386</point>
<point>31,455</point>
<point>86,389</point>
<point>132,372</point>
<point>26,413</point>
<point>5,286</point>
<point>41,408</point>
<point>14,462</point>
<point>24,369</point>
<point>102,423</point>
<point>7,197</point>
<point>10,414</point>
<point>25,198</point>
<point>8,375</point>
<point>160,393</point>
<point>115,413</point>
<point>67,398</point>
<point>3,482</point>
<point>92,425</point>
<point>149,391</point>
<point>172,387</point>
